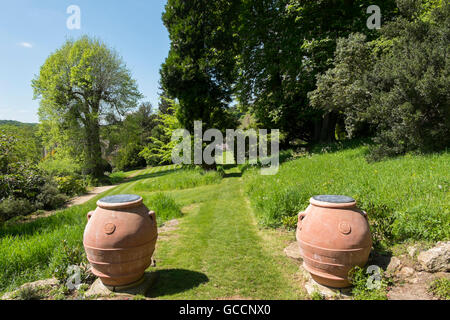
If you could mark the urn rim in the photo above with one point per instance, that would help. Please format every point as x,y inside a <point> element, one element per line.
<point>333,201</point>
<point>120,201</point>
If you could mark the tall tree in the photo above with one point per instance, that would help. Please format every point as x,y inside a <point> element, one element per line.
<point>79,85</point>
<point>397,84</point>
<point>285,45</point>
<point>200,69</point>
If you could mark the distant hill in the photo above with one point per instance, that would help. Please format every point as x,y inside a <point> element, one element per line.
<point>16,123</point>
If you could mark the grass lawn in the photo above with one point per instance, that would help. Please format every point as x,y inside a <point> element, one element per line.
<point>221,248</point>
<point>218,251</point>
<point>30,251</point>
<point>406,198</point>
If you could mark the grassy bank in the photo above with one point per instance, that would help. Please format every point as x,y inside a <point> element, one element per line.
<point>407,198</point>
<point>31,251</point>
<point>182,179</point>
<point>217,251</point>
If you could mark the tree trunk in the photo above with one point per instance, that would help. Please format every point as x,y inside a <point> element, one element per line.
<point>328,132</point>
<point>93,149</point>
<point>325,128</point>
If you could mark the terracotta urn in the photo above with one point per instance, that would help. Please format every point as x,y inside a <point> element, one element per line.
<point>119,239</point>
<point>334,237</point>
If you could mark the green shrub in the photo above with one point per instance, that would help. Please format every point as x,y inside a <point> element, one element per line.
<point>12,207</point>
<point>165,207</point>
<point>28,293</point>
<point>359,277</point>
<point>60,167</point>
<point>71,185</point>
<point>68,254</point>
<point>289,222</point>
<point>316,295</point>
<point>221,170</point>
<point>25,188</point>
<point>440,288</point>
<point>96,182</point>
<point>128,158</point>
<point>50,197</point>
<point>397,85</point>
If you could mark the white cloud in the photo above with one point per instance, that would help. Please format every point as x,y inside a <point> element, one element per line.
<point>26,45</point>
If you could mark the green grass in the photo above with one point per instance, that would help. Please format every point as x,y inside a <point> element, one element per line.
<point>164,205</point>
<point>181,179</point>
<point>120,176</point>
<point>219,252</point>
<point>30,251</point>
<point>360,279</point>
<point>440,288</point>
<point>406,198</point>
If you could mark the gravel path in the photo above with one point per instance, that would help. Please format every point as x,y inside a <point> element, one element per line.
<point>86,197</point>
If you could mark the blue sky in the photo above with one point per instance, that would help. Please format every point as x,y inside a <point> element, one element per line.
<point>31,30</point>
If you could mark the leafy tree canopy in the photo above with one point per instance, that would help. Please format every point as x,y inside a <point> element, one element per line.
<point>79,86</point>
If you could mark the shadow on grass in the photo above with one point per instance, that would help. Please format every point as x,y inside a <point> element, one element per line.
<point>233,175</point>
<point>151,175</point>
<point>172,281</point>
<point>341,145</point>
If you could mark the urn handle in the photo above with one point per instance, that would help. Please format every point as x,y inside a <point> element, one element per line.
<point>152,216</point>
<point>364,214</point>
<point>301,216</point>
<point>89,215</point>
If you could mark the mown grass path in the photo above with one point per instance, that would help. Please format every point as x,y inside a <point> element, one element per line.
<point>219,252</point>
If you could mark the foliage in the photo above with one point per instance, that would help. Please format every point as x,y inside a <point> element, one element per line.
<point>159,150</point>
<point>126,138</point>
<point>411,101</point>
<point>341,88</point>
<point>15,123</point>
<point>359,277</point>
<point>391,192</point>
<point>24,188</point>
<point>129,158</point>
<point>50,197</point>
<point>285,44</point>
<point>60,167</point>
<point>11,207</point>
<point>440,288</point>
<point>316,295</point>
<point>397,84</point>
<point>24,143</point>
<point>28,293</point>
<point>74,99</point>
<point>200,68</point>
<point>70,185</point>
<point>69,254</point>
